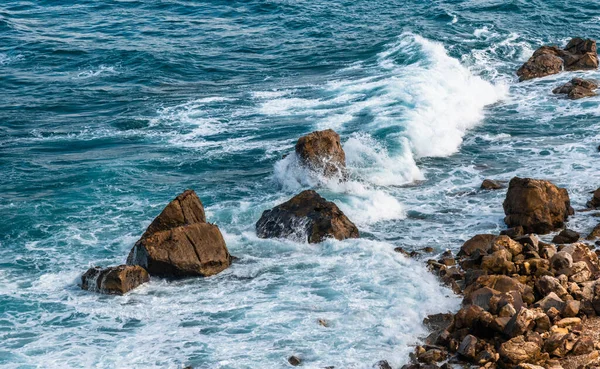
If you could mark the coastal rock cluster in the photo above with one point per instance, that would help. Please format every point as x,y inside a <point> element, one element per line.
<point>178,243</point>
<point>579,54</point>
<point>527,304</point>
<point>181,243</point>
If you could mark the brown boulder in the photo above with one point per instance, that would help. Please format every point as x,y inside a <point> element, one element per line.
<point>193,250</point>
<point>490,184</point>
<point>544,62</point>
<point>114,280</point>
<point>480,242</point>
<point>577,88</point>
<point>322,151</point>
<point>536,205</point>
<point>517,350</point>
<point>581,54</point>
<point>183,210</point>
<point>307,216</point>
<point>566,236</point>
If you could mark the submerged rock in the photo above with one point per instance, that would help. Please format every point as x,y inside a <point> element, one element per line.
<point>577,88</point>
<point>179,242</point>
<point>536,205</point>
<point>294,360</point>
<point>322,151</point>
<point>114,280</point>
<point>579,54</point>
<point>490,184</point>
<point>307,216</point>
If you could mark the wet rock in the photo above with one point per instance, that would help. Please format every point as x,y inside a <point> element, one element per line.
<point>307,216</point>
<point>594,203</point>
<point>545,61</point>
<point>577,88</point>
<point>579,54</point>
<point>566,236</point>
<point>536,205</point>
<point>193,250</point>
<point>517,350</point>
<point>179,242</point>
<point>185,209</point>
<point>490,184</point>
<point>114,280</point>
<point>322,151</point>
<point>480,242</point>
<point>294,360</point>
<point>383,364</point>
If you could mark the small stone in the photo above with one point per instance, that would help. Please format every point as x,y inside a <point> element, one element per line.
<point>294,360</point>
<point>323,322</point>
<point>490,184</point>
<point>571,309</point>
<point>468,347</point>
<point>566,322</point>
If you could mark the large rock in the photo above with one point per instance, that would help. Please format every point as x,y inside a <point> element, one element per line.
<point>544,62</point>
<point>536,205</point>
<point>480,242</point>
<point>566,236</point>
<point>517,350</point>
<point>577,88</point>
<point>193,250</point>
<point>114,280</point>
<point>307,216</point>
<point>179,242</point>
<point>322,151</point>
<point>579,54</point>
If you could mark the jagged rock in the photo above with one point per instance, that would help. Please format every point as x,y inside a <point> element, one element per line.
<point>179,242</point>
<point>193,250</point>
<point>322,151</point>
<point>548,284</point>
<point>114,280</point>
<point>566,236</point>
<point>544,62</point>
<point>504,283</point>
<point>577,88</point>
<point>550,301</point>
<point>480,242</point>
<point>498,262</point>
<point>521,322</point>
<point>580,272</point>
<point>294,360</point>
<point>507,243</point>
<point>432,356</point>
<point>561,260</point>
<point>536,205</point>
<point>584,346</point>
<point>185,209</point>
<point>468,347</point>
<point>571,309</point>
<point>547,251</point>
<point>517,350</point>
<point>307,216</point>
<point>480,297</point>
<point>595,233</point>
<point>581,252</point>
<point>579,54</point>
<point>594,203</point>
<point>490,184</point>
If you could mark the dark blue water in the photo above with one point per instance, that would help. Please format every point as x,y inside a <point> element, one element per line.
<point>110,109</point>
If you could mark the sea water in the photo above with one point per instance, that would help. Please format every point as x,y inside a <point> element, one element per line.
<point>109,109</point>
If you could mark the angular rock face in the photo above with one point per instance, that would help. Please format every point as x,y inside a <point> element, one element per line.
<point>322,151</point>
<point>306,216</point>
<point>179,242</point>
<point>577,88</point>
<point>579,54</point>
<point>194,250</point>
<point>536,205</point>
<point>114,280</point>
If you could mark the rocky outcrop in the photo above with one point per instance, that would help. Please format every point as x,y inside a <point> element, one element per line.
<point>114,280</point>
<point>307,217</point>
<point>577,88</point>
<point>322,152</point>
<point>579,54</point>
<point>536,205</point>
<point>524,306</point>
<point>179,242</point>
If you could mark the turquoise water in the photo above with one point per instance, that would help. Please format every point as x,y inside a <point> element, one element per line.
<point>110,109</point>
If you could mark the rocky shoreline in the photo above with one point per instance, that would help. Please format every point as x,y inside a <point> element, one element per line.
<point>527,304</point>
